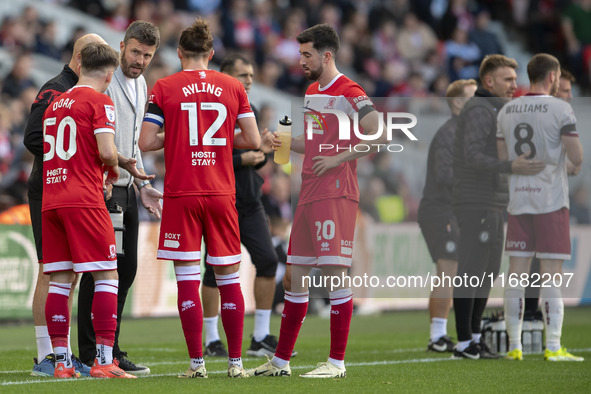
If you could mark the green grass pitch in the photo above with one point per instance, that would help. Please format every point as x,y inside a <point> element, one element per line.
<point>386,353</point>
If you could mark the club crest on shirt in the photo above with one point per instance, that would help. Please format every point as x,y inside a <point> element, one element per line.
<point>110,112</point>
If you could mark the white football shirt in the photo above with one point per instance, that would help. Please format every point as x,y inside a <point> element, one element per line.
<point>536,123</point>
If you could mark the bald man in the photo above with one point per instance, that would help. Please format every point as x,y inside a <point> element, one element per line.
<point>44,362</point>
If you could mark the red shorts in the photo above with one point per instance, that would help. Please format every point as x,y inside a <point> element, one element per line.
<point>186,219</point>
<point>78,239</point>
<point>545,235</point>
<point>322,233</point>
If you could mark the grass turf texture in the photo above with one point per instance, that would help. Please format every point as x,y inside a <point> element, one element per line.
<point>385,353</point>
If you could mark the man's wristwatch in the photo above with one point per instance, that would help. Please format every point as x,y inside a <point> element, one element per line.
<point>144,183</point>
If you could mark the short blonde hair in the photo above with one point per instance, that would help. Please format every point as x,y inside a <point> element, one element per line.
<point>492,62</point>
<point>456,89</point>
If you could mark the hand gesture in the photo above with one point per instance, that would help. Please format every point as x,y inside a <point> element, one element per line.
<point>129,165</point>
<point>523,166</point>
<point>150,198</point>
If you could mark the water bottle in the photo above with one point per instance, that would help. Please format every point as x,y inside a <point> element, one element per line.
<point>284,134</point>
<point>116,213</point>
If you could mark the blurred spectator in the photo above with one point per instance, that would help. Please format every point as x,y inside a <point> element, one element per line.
<point>120,17</point>
<point>45,41</point>
<point>416,39</point>
<point>457,15</point>
<point>277,202</point>
<point>19,77</point>
<point>483,37</point>
<point>576,27</point>
<point>462,56</point>
<point>78,32</point>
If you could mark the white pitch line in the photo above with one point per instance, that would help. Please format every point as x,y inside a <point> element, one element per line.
<point>296,367</point>
<point>412,361</point>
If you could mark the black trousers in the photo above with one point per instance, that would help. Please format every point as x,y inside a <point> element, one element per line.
<point>479,254</point>
<point>35,205</point>
<point>126,268</point>
<point>256,237</point>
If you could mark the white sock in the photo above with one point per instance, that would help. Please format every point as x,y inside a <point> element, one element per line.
<point>438,328</point>
<point>235,361</point>
<point>211,329</point>
<point>61,354</point>
<point>197,362</point>
<point>262,320</point>
<point>43,342</point>
<point>513,309</point>
<point>463,345</point>
<point>69,344</point>
<point>553,310</point>
<point>279,361</point>
<point>104,354</point>
<point>338,363</point>
<point>476,337</point>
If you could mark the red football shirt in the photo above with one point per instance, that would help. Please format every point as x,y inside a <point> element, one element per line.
<point>346,96</point>
<point>198,110</point>
<point>72,168</point>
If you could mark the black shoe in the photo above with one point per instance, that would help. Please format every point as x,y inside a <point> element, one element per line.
<point>485,351</point>
<point>472,352</point>
<point>442,345</point>
<point>216,349</point>
<point>266,347</point>
<point>129,366</point>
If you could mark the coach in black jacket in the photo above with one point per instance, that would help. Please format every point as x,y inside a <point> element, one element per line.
<point>479,196</point>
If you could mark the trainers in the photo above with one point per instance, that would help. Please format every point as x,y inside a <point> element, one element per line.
<point>485,351</point>
<point>266,347</point>
<point>326,370</point>
<point>514,354</point>
<point>234,371</point>
<point>270,369</point>
<point>109,371</point>
<point>63,372</point>
<point>80,367</point>
<point>560,355</point>
<point>129,366</point>
<point>472,352</point>
<point>216,349</point>
<point>442,345</point>
<point>195,373</point>
<point>45,367</point>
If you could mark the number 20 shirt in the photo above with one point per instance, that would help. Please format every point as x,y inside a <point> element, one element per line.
<point>72,168</point>
<point>536,123</point>
<point>198,110</point>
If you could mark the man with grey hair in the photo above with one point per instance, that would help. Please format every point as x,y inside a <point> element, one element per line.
<point>129,94</point>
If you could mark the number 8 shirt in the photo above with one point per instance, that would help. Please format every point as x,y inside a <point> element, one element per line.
<point>536,123</point>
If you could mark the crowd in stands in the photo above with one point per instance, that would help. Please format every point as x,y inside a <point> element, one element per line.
<point>398,48</point>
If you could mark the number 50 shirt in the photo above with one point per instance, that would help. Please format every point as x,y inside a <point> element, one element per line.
<point>198,110</point>
<point>72,168</point>
<point>536,123</point>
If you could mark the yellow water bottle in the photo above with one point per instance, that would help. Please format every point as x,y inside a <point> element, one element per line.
<point>284,134</point>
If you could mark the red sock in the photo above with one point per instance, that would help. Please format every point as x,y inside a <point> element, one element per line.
<point>104,311</point>
<point>57,313</point>
<point>232,311</point>
<point>341,311</point>
<point>190,310</point>
<point>294,312</point>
